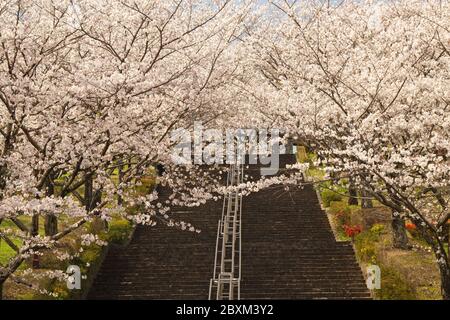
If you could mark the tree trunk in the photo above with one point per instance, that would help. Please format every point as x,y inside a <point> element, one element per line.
<point>448,239</point>
<point>103,224</point>
<point>365,202</point>
<point>88,203</point>
<point>13,265</point>
<point>35,232</point>
<point>445,284</point>
<point>400,239</point>
<point>2,177</point>
<point>92,199</point>
<point>353,193</point>
<point>444,270</point>
<point>51,221</point>
<point>51,225</point>
<point>119,197</point>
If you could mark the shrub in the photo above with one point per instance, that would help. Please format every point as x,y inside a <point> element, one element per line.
<point>377,228</point>
<point>90,255</point>
<point>365,244</point>
<point>343,218</point>
<point>119,231</point>
<point>328,196</point>
<point>342,214</point>
<point>352,231</point>
<point>338,207</point>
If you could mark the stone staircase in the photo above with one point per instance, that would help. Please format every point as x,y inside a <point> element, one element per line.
<point>163,262</point>
<point>288,252</point>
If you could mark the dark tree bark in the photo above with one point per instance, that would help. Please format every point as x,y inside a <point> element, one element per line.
<point>51,221</point>
<point>119,198</point>
<point>443,260</point>
<point>160,169</point>
<point>447,225</point>
<point>13,265</point>
<point>35,225</point>
<point>92,199</point>
<point>51,225</point>
<point>88,201</point>
<point>35,232</point>
<point>445,282</point>
<point>103,224</point>
<point>353,193</point>
<point>2,177</point>
<point>1,288</point>
<point>400,239</point>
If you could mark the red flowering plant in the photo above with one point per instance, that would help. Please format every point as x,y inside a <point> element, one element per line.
<point>352,231</point>
<point>342,218</point>
<point>412,228</point>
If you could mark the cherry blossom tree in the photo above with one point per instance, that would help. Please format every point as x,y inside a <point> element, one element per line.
<point>89,88</point>
<point>366,85</point>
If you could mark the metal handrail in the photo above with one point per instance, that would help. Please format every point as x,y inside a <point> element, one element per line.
<point>219,225</point>
<point>228,236</point>
<point>239,199</point>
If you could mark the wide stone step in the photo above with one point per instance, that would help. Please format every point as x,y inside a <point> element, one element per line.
<point>288,252</point>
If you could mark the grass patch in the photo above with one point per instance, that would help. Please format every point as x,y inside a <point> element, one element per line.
<point>6,252</point>
<point>405,274</point>
<point>119,231</point>
<point>394,286</point>
<point>328,196</point>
